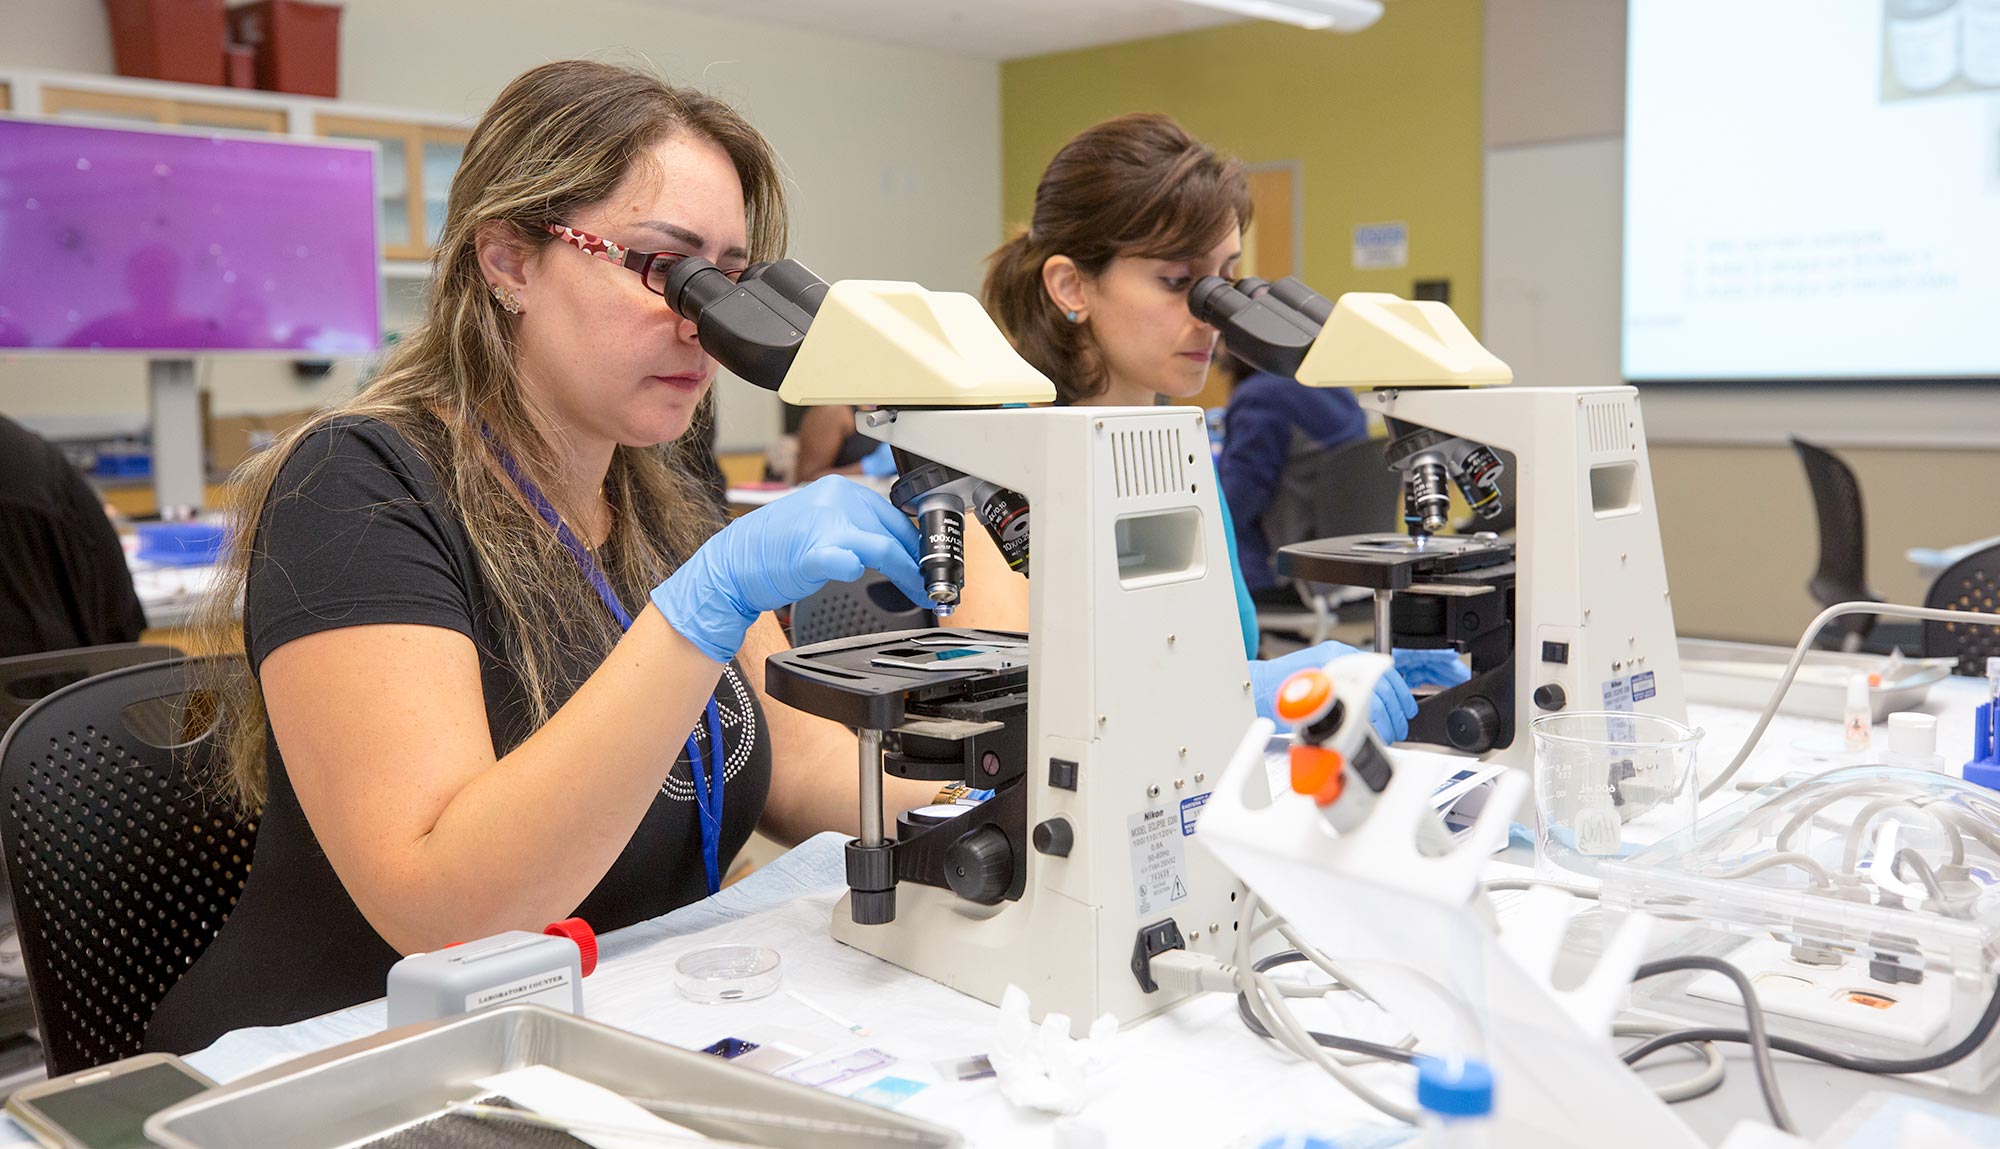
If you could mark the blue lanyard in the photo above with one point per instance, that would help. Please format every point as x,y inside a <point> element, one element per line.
<point>708,776</point>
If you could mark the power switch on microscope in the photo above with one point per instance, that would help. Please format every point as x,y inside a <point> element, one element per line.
<point>1556,652</point>
<point>1062,773</point>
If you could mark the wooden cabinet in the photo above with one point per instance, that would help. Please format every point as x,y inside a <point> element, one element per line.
<point>412,176</point>
<point>79,103</point>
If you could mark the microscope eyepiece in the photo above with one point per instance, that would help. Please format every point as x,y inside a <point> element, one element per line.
<point>791,279</point>
<point>754,327</point>
<point>1214,299</point>
<point>694,285</point>
<point>1293,293</point>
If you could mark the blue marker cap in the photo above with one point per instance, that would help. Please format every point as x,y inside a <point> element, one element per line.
<point>1466,1093</point>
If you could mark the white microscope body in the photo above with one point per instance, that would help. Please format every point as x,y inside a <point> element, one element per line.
<point>1593,617</point>
<point>1138,688</point>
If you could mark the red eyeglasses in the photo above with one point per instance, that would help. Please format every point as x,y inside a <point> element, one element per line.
<point>653,266</point>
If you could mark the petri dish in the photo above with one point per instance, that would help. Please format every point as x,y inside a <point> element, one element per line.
<point>730,972</point>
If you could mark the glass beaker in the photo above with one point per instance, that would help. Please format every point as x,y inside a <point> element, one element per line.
<point>1608,784</point>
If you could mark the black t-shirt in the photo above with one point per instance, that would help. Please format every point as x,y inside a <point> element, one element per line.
<point>63,581</point>
<point>357,530</point>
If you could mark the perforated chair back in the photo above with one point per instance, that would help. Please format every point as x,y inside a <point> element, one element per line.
<point>123,869</point>
<point>1842,575</point>
<point>1971,583</point>
<point>869,605</point>
<point>1327,492</point>
<point>26,679</point>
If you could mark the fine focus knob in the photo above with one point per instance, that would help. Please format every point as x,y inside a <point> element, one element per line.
<point>979,867</point>
<point>1054,837</point>
<point>1549,696</point>
<point>1473,726</point>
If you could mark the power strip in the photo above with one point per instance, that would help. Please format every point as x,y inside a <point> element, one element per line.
<point>1910,1013</point>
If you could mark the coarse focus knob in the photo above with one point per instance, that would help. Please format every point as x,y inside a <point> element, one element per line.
<point>1054,837</point>
<point>1473,726</point>
<point>1549,696</point>
<point>980,866</point>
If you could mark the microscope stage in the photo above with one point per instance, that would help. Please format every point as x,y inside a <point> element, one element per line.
<point>1392,562</point>
<point>867,680</point>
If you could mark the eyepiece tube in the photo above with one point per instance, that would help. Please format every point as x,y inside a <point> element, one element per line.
<point>1293,293</point>
<point>1214,299</point>
<point>792,280</point>
<point>694,285</point>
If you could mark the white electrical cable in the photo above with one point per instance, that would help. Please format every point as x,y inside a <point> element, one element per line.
<point>1784,858</point>
<point>1837,610</point>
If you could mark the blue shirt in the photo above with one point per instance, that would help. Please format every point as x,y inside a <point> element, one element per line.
<point>1246,611</point>
<point>1257,440</point>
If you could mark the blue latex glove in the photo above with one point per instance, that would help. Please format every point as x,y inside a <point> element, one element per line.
<point>879,463</point>
<point>828,531</point>
<point>1440,668</point>
<point>1390,713</point>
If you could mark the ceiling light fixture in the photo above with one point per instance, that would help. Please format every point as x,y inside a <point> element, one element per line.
<point>1331,15</point>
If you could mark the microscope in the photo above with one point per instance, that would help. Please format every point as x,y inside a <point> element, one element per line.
<point>1571,614</point>
<point>1101,732</point>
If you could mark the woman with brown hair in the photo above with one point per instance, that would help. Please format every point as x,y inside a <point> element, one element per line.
<point>1093,292</point>
<point>491,618</point>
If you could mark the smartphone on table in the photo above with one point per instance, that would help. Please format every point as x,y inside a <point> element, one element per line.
<point>106,1106</point>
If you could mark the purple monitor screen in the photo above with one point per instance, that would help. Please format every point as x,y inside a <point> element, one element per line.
<point>166,242</point>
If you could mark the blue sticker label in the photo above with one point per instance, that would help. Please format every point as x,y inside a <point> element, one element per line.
<point>1642,687</point>
<point>1191,813</point>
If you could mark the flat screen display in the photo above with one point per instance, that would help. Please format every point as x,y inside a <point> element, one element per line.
<point>1812,190</point>
<point>166,242</point>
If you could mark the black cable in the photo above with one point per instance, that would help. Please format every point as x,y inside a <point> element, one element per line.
<point>1344,1044</point>
<point>1759,1041</point>
<point>1981,1030</point>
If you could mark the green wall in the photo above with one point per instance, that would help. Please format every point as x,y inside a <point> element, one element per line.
<point>1385,125</point>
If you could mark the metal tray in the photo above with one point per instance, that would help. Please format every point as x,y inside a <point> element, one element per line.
<point>1743,675</point>
<point>355,1093</point>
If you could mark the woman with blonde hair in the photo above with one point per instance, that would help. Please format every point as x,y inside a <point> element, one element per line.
<point>492,619</point>
<point>1093,292</point>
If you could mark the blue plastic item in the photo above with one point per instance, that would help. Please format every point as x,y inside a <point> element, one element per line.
<point>123,465</point>
<point>1984,769</point>
<point>182,544</point>
<point>1466,1093</point>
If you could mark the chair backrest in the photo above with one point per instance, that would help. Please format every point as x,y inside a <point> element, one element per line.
<point>1327,492</point>
<point>1842,575</point>
<point>869,605</point>
<point>27,678</point>
<point>1971,583</point>
<point>122,864</point>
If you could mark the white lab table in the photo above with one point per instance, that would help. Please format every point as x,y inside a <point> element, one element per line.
<point>1191,1077</point>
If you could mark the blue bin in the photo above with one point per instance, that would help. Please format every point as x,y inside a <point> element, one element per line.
<point>182,544</point>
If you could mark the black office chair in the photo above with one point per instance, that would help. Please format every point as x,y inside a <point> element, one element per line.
<point>123,863</point>
<point>870,604</point>
<point>1843,573</point>
<point>1323,493</point>
<point>28,678</point>
<point>1971,583</point>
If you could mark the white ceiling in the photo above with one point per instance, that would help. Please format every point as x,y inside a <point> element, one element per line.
<point>990,29</point>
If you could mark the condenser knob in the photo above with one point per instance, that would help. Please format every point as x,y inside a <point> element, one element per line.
<point>1054,837</point>
<point>979,867</point>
